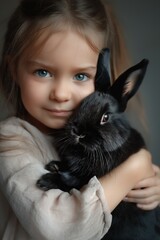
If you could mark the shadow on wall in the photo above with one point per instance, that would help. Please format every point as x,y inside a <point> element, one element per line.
<point>140,21</point>
<point>6,9</point>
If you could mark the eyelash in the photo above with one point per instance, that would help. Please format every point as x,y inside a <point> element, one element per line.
<point>37,73</point>
<point>48,74</point>
<point>82,74</point>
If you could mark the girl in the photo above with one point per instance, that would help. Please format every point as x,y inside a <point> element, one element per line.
<point>48,66</point>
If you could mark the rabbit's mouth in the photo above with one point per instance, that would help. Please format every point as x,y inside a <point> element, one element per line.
<point>77,138</point>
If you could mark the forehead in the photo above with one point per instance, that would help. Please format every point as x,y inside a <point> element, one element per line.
<point>47,34</point>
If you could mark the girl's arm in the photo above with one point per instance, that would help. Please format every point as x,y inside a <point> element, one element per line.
<point>146,193</point>
<point>119,182</point>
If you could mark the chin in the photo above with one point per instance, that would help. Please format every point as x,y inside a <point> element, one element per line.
<point>56,124</point>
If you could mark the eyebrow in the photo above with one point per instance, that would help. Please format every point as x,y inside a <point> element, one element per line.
<point>86,68</point>
<point>79,68</point>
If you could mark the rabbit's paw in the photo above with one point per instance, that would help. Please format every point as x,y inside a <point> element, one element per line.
<point>52,166</point>
<point>47,181</point>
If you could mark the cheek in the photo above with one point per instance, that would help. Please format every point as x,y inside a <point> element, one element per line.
<point>31,93</point>
<point>30,96</point>
<point>84,92</point>
<point>80,94</point>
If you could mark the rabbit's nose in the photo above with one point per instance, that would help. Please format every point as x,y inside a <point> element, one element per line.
<point>78,138</point>
<point>77,133</point>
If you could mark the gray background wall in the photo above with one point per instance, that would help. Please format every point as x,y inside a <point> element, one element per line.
<point>140,20</point>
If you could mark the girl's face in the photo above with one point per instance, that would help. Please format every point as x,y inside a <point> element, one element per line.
<point>55,80</point>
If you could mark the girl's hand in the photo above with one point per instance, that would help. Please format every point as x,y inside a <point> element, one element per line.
<point>123,178</point>
<point>147,192</point>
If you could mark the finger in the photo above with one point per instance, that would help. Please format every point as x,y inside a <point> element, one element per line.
<point>146,183</point>
<point>156,168</point>
<point>151,181</point>
<point>147,207</point>
<point>142,193</point>
<point>147,200</point>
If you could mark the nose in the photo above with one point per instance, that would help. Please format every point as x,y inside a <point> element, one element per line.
<point>61,91</point>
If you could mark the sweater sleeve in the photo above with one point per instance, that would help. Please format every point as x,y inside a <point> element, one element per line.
<point>53,214</point>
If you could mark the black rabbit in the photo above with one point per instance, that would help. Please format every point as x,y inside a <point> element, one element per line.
<point>96,139</point>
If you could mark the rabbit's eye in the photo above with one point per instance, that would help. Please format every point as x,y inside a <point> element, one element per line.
<point>104,118</point>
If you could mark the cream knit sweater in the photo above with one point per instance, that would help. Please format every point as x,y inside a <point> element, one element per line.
<point>27,212</point>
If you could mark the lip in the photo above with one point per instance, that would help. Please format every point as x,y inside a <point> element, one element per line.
<point>59,112</point>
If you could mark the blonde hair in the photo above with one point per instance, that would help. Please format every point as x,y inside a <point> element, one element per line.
<point>31,18</point>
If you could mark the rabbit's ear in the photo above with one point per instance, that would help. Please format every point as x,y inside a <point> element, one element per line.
<point>128,83</point>
<point>102,79</point>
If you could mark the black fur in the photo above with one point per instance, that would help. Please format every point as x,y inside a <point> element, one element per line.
<point>95,140</point>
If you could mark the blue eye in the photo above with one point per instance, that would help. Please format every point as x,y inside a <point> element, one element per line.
<point>81,77</point>
<point>42,73</point>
